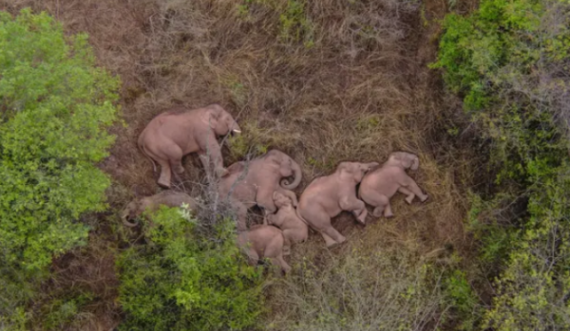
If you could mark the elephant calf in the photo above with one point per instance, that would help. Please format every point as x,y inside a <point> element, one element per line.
<point>380,185</point>
<point>152,203</point>
<point>328,196</point>
<point>295,230</point>
<point>175,133</point>
<point>253,183</point>
<point>264,241</point>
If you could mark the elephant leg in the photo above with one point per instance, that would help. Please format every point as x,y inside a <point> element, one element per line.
<point>332,235</point>
<point>388,211</point>
<point>328,240</point>
<point>379,201</point>
<point>412,186</point>
<point>356,206</point>
<point>252,257</point>
<point>212,149</point>
<point>165,174</point>
<point>241,213</point>
<point>286,243</point>
<point>410,195</point>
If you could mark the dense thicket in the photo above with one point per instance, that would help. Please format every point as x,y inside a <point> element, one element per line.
<point>55,105</point>
<point>183,279</point>
<point>509,61</point>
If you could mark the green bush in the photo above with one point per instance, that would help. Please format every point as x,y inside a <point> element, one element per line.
<point>183,280</point>
<point>509,62</point>
<point>55,106</point>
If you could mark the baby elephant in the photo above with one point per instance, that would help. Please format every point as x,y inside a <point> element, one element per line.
<point>294,229</point>
<point>380,185</point>
<point>152,203</point>
<point>264,241</point>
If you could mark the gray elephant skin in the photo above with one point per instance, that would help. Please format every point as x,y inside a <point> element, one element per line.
<point>380,185</point>
<point>264,241</point>
<point>152,203</point>
<point>328,196</point>
<point>180,131</point>
<point>253,183</point>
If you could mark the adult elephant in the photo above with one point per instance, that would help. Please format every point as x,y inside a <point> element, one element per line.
<point>381,184</point>
<point>179,131</point>
<point>328,196</point>
<point>253,183</point>
<point>152,203</point>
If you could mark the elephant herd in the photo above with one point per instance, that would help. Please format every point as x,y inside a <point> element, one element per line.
<point>268,182</point>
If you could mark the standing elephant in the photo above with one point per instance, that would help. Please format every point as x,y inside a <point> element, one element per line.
<point>295,230</point>
<point>327,196</point>
<point>264,241</point>
<point>152,203</point>
<point>380,185</point>
<point>253,183</point>
<point>179,131</point>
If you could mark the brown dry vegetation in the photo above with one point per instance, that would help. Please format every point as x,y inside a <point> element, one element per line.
<point>348,82</point>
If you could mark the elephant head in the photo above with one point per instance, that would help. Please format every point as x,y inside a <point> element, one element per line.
<point>281,200</point>
<point>221,121</point>
<point>287,168</point>
<point>404,160</point>
<point>355,170</point>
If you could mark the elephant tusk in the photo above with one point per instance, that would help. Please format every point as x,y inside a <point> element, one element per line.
<point>237,131</point>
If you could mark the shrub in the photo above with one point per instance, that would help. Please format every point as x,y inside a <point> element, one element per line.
<point>55,107</point>
<point>389,289</point>
<point>180,280</point>
<point>509,61</point>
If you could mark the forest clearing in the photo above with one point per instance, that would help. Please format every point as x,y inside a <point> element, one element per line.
<point>478,91</point>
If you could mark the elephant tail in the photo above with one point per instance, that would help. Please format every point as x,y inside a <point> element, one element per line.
<point>144,151</point>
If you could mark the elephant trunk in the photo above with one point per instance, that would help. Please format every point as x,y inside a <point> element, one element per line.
<point>297,176</point>
<point>125,219</point>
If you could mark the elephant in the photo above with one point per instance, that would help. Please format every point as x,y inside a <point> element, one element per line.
<point>264,241</point>
<point>380,185</point>
<point>328,196</point>
<point>152,203</point>
<point>179,131</point>
<point>295,230</point>
<point>253,183</point>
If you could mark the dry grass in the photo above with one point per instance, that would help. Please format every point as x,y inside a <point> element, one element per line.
<point>346,81</point>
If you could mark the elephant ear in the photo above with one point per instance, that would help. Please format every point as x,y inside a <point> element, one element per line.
<point>349,170</point>
<point>215,114</point>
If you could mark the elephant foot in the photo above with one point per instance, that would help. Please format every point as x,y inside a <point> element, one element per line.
<point>424,198</point>
<point>164,184</point>
<point>410,199</point>
<point>222,172</point>
<point>388,214</point>
<point>378,211</point>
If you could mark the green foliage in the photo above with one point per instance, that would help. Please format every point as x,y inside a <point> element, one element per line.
<point>462,299</point>
<point>55,106</point>
<point>180,280</point>
<point>508,63</point>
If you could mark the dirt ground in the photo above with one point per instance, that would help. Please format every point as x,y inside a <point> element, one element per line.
<point>349,83</point>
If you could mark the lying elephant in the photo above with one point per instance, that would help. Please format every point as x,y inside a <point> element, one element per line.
<point>175,133</point>
<point>327,196</point>
<point>152,203</point>
<point>295,230</point>
<point>380,185</point>
<point>253,183</point>
<point>264,241</point>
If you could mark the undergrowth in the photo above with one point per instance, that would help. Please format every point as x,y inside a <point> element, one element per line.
<point>181,280</point>
<point>55,105</point>
<point>509,61</point>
